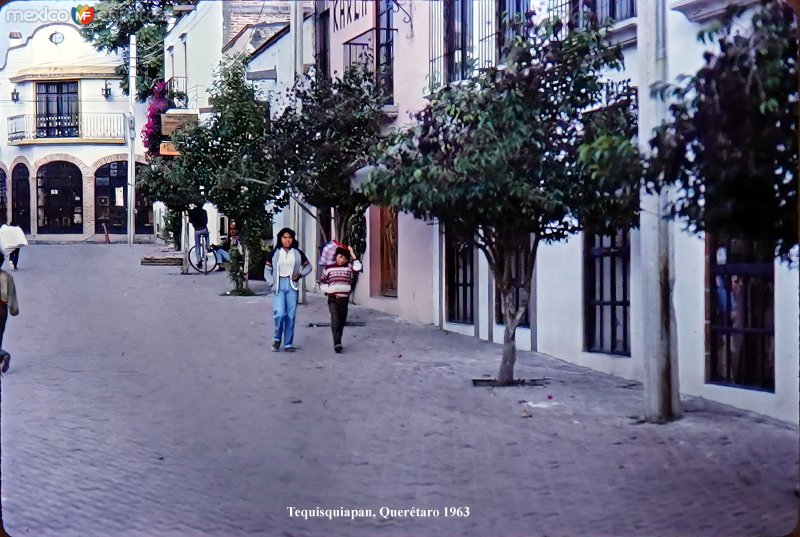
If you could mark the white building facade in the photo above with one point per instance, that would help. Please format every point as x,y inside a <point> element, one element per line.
<point>64,156</point>
<point>735,308</point>
<point>393,37</point>
<point>194,47</point>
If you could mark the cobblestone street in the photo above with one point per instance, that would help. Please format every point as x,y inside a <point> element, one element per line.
<point>142,402</point>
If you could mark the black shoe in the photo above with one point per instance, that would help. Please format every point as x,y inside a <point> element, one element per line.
<point>337,349</point>
<point>289,349</point>
<point>276,346</point>
<point>6,363</point>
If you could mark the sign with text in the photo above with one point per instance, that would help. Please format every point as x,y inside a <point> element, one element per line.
<point>346,12</point>
<point>167,149</point>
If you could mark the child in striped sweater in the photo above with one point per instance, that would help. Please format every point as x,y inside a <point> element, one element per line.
<point>336,282</point>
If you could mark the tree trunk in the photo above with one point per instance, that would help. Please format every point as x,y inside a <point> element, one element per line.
<point>246,268</point>
<point>511,320</point>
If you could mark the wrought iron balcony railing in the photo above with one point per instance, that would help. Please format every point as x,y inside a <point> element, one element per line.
<point>176,86</point>
<point>95,126</point>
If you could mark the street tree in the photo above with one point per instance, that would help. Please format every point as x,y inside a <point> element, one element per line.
<point>114,23</point>
<point>728,146</point>
<point>541,148</point>
<point>325,133</point>
<point>230,158</point>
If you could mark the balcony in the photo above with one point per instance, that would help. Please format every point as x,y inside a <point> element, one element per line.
<point>375,49</point>
<point>67,129</point>
<point>176,87</point>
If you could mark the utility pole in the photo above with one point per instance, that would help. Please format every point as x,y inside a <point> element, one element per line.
<point>296,12</point>
<point>659,349</point>
<point>132,144</point>
<point>796,5</point>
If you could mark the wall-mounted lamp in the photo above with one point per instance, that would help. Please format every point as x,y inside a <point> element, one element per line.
<point>106,90</point>
<point>15,95</point>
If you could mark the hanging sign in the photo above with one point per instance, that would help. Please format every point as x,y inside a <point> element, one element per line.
<point>167,149</point>
<point>120,194</point>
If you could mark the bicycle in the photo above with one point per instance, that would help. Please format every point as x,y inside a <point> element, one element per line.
<point>208,263</point>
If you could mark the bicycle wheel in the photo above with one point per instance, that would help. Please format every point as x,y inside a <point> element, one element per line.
<point>208,263</point>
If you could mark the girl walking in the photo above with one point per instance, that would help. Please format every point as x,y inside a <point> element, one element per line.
<point>283,272</point>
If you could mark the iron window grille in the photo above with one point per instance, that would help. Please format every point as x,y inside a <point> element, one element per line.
<point>57,113</point>
<point>375,49</point>
<point>459,281</point>
<point>451,41</point>
<point>509,14</point>
<point>740,311</point>
<point>520,260</point>
<point>606,10</point>
<point>385,48</point>
<point>606,293</point>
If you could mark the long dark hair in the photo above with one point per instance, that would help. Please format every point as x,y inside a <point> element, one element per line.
<point>280,235</point>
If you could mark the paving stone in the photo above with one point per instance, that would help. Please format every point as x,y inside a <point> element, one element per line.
<point>142,403</point>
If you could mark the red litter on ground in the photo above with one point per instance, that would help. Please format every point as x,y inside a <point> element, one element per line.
<point>549,396</point>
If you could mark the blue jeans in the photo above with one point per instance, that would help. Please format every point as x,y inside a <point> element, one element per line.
<point>222,256</point>
<point>197,248</point>
<point>284,306</point>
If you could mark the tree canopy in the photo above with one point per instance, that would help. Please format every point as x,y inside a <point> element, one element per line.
<point>229,158</point>
<point>116,20</point>
<point>542,146</point>
<point>325,133</point>
<point>729,145</point>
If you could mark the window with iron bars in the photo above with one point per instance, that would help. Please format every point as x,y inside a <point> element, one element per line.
<point>451,41</point>
<point>459,281</point>
<point>375,48</point>
<point>606,292</point>
<point>509,13</point>
<point>468,35</point>
<point>740,313</point>
<point>606,10</point>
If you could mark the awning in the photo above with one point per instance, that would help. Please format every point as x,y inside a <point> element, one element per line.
<point>34,74</point>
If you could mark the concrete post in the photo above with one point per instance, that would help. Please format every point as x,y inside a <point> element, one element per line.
<point>656,246</point>
<point>132,140</point>
<point>796,5</point>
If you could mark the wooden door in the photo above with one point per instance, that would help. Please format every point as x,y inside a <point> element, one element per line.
<point>388,252</point>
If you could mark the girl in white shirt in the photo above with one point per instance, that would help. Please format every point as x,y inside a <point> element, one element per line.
<point>283,272</point>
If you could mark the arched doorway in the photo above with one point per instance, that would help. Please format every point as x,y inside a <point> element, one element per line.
<point>59,198</point>
<point>21,197</point>
<point>3,197</point>
<point>111,200</point>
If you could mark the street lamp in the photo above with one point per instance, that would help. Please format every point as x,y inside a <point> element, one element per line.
<point>106,90</point>
<point>15,95</point>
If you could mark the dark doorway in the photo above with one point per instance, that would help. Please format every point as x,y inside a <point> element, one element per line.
<point>21,197</point>
<point>3,197</point>
<point>111,198</point>
<point>111,201</point>
<point>59,198</point>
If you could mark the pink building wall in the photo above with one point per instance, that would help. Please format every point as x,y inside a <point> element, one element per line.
<point>416,239</point>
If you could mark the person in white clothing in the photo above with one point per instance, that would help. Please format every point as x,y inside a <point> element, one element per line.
<point>283,272</point>
<point>12,238</point>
